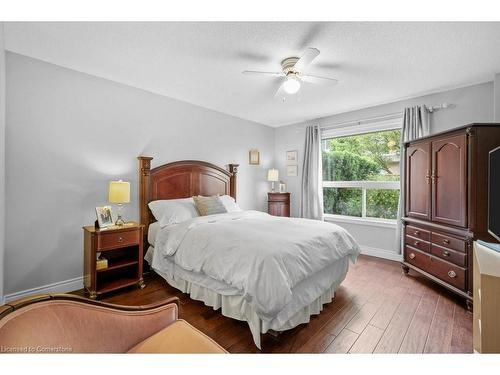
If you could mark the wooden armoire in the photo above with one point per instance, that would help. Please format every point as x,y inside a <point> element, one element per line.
<point>446,203</point>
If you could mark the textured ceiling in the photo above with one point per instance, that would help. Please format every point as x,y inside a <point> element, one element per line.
<point>201,63</point>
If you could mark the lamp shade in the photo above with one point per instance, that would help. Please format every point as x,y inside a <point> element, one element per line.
<point>119,192</point>
<point>272,175</point>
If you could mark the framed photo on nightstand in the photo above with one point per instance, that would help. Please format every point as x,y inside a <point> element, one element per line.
<point>104,216</point>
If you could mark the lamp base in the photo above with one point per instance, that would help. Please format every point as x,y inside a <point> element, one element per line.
<point>119,221</point>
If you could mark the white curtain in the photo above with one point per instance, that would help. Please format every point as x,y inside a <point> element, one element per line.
<point>415,125</point>
<point>311,203</point>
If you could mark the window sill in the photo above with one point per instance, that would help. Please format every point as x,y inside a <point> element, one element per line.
<point>372,222</point>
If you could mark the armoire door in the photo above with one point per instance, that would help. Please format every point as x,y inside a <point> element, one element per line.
<point>449,180</point>
<point>418,180</point>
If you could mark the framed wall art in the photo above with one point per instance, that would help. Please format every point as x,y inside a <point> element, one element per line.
<point>291,171</point>
<point>254,157</point>
<point>292,157</point>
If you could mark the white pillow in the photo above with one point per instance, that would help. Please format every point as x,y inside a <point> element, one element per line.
<point>229,203</point>
<point>173,211</point>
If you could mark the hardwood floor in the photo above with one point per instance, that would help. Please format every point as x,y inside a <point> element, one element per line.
<point>376,310</point>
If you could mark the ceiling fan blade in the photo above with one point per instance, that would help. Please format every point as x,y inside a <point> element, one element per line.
<point>256,72</point>
<point>325,81</point>
<point>307,58</point>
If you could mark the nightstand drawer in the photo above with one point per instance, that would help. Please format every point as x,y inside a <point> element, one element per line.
<point>113,240</point>
<point>278,197</point>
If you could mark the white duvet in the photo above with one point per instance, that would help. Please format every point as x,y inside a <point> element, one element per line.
<point>264,257</point>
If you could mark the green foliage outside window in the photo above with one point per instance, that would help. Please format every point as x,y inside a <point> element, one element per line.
<point>382,203</point>
<point>366,157</point>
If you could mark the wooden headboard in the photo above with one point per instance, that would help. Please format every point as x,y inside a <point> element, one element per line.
<point>181,179</point>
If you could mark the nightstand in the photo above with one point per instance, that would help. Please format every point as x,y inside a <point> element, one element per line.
<point>122,247</point>
<point>278,204</point>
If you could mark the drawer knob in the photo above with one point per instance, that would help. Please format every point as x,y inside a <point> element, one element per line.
<point>446,241</point>
<point>120,239</point>
<point>452,274</point>
<point>417,233</point>
<point>446,253</point>
<point>411,256</point>
<point>417,243</point>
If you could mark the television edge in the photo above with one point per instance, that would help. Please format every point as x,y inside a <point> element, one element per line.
<point>494,184</point>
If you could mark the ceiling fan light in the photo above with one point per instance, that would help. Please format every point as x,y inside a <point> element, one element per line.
<point>291,84</point>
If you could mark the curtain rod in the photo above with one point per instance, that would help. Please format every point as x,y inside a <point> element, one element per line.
<point>359,121</point>
<point>429,109</point>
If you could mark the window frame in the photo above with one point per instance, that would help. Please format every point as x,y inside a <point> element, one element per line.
<point>359,128</point>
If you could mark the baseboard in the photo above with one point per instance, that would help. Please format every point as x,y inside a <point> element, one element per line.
<point>380,253</point>
<point>59,287</point>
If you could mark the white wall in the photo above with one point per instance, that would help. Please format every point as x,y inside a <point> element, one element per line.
<point>2,159</point>
<point>470,104</point>
<point>70,133</point>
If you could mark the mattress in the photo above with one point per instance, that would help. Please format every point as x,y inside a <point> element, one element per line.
<point>152,231</point>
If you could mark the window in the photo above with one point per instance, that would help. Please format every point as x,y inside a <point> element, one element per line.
<point>361,174</point>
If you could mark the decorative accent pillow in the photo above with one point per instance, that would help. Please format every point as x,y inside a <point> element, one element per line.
<point>229,203</point>
<point>209,205</point>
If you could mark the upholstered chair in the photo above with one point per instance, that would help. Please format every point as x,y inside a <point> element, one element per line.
<point>64,323</point>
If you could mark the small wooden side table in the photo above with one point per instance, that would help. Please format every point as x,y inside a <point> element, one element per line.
<point>122,247</point>
<point>278,204</point>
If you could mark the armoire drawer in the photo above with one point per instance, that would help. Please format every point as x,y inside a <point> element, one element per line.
<point>417,258</point>
<point>448,272</point>
<point>450,242</point>
<point>449,255</point>
<point>418,233</point>
<point>417,243</point>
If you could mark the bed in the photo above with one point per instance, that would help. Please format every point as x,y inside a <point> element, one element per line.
<point>272,272</point>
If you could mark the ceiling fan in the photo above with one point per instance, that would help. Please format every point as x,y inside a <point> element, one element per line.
<point>293,73</point>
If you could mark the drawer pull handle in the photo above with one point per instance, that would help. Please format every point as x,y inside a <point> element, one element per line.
<point>452,274</point>
<point>446,253</point>
<point>446,241</point>
<point>120,239</point>
<point>417,233</point>
<point>412,256</point>
<point>417,243</point>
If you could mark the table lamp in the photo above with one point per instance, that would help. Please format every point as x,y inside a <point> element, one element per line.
<point>119,193</point>
<point>273,176</point>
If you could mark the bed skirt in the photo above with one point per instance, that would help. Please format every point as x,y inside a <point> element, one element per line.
<point>236,307</point>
